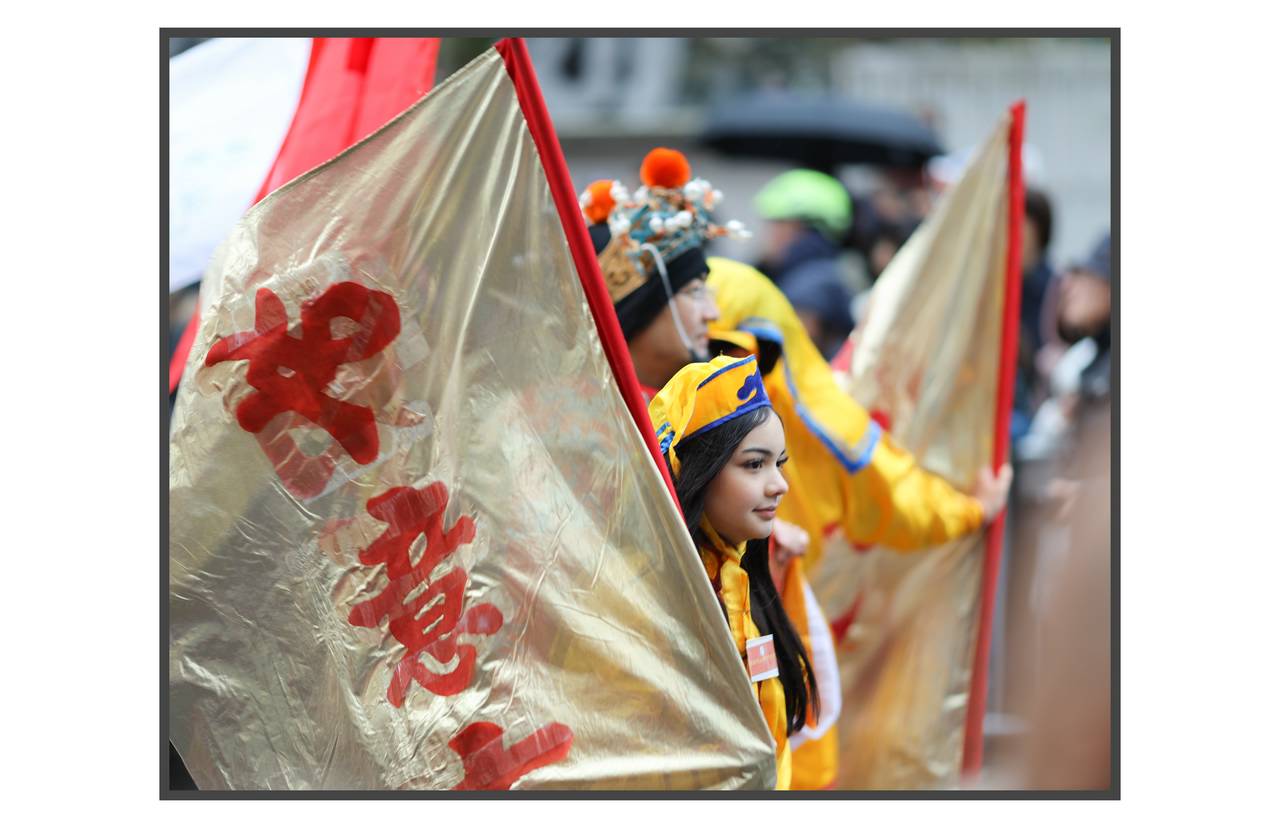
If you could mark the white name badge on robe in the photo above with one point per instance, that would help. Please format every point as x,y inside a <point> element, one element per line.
<point>762,661</point>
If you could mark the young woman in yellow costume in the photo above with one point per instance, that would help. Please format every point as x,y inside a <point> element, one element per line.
<point>845,471</point>
<point>726,448</point>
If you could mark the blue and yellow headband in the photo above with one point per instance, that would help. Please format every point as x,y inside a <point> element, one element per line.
<point>702,396</point>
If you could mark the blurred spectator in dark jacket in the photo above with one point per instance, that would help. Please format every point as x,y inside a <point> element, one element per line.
<point>1076,358</point>
<point>884,245</point>
<point>1084,312</point>
<point>1037,233</point>
<point>823,304</point>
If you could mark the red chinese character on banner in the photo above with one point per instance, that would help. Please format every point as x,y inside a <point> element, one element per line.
<point>410,513</point>
<point>489,767</point>
<point>291,373</point>
<point>304,475</point>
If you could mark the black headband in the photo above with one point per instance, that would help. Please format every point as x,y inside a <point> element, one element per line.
<point>638,308</point>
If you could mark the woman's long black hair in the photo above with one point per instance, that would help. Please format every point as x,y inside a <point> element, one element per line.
<point>701,459</point>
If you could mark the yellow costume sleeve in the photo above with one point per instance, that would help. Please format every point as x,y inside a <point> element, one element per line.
<point>844,472</point>
<point>904,507</point>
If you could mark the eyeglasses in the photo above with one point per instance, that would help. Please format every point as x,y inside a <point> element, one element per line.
<point>697,290</point>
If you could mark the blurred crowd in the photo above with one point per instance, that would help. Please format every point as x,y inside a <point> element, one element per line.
<point>825,248</point>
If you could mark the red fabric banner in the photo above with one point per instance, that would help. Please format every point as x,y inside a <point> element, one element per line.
<point>354,85</point>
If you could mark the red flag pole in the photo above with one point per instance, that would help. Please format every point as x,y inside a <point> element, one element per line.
<point>516,56</point>
<point>972,761</point>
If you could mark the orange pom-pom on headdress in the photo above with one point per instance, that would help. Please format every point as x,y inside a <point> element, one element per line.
<point>600,203</point>
<point>665,167</point>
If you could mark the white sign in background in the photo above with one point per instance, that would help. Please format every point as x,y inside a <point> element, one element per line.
<point>231,100</point>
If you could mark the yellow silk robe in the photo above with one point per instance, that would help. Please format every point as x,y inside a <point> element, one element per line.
<point>724,567</point>
<point>844,472</point>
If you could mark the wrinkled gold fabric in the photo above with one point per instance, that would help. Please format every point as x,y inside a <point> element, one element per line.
<point>927,355</point>
<point>496,386</point>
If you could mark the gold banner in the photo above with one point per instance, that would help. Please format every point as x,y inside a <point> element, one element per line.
<point>926,358</point>
<point>416,541</point>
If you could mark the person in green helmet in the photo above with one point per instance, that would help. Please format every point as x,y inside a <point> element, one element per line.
<point>808,214</point>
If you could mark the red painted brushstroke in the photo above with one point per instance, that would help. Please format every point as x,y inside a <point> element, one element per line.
<point>409,514</point>
<point>488,767</point>
<point>291,373</point>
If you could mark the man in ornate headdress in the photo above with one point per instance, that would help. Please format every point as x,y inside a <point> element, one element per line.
<point>650,246</point>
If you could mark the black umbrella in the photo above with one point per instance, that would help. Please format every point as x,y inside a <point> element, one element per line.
<point>819,132</point>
